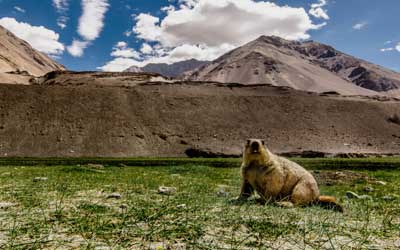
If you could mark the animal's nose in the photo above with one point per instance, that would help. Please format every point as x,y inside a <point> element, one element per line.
<point>255,146</point>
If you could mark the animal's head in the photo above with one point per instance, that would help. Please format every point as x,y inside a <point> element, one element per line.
<point>255,150</point>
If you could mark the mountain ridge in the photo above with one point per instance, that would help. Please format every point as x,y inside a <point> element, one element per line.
<point>308,65</point>
<point>19,62</point>
<point>168,70</point>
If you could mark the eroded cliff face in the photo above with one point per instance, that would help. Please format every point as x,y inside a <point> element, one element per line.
<point>88,118</point>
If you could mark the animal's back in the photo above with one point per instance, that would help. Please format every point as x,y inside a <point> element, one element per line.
<point>294,174</point>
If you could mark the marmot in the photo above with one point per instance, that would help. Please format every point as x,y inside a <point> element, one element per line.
<point>278,179</point>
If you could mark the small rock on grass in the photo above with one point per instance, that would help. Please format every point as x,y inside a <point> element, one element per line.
<point>95,166</point>
<point>284,204</point>
<point>114,196</point>
<point>158,246</point>
<point>352,195</point>
<point>221,192</point>
<point>38,179</point>
<point>389,198</point>
<point>166,190</point>
<point>368,189</point>
<point>6,205</point>
<point>181,206</point>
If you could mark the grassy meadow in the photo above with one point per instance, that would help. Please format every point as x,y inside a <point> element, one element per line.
<point>118,206</point>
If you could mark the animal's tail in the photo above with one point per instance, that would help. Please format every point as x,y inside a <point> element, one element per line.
<point>329,202</point>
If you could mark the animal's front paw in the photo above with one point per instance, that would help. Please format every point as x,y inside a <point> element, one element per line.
<point>261,201</point>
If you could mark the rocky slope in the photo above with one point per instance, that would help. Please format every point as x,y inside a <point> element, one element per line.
<point>93,118</point>
<point>309,66</point>
<point>19,61</point>
<point>169,70</point>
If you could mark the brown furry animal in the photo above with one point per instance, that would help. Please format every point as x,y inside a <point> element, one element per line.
<point>278,179</point>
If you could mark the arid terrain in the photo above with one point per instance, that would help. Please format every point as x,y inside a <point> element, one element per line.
<point>19,62</point>
<point>308,65</point>
<point>303,98</point>
<point>62,116</point>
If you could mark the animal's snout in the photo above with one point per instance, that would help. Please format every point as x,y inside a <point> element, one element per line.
<point>255,147</point>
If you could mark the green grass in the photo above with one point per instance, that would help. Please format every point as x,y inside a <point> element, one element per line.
<point>71,210</point>
<point>372,163</point>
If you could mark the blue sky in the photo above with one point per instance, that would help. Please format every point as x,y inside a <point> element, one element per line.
<point>197,28</point>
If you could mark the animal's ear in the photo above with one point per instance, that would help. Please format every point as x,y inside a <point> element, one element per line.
<point>263,142</point>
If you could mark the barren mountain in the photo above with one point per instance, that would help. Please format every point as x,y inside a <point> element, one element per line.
<point>169,70</point>
<point>19,61</point>
<point>85,114</point>
<point>309,66</point>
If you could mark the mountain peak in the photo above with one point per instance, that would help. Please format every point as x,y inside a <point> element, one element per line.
<point>308,65</point>
<point>275,40</point>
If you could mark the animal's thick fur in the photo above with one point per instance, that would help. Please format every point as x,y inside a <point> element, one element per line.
<point>275,178</point>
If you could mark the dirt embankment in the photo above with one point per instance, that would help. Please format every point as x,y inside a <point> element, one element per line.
<point>167,119</point>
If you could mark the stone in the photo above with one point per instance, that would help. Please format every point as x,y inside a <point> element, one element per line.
<point>166,190</point>
<point>114,196</point>
<point>158,246</point>
<point>389,198</point>
<point>181,206</point>
<point>39,179</point>
<point>95,166</point>
<point>340,175</point>
<point>285,204</point>
<point>6,205</point>
<point>368,189</point>
<point>382,183</point>
<point>221,191</point>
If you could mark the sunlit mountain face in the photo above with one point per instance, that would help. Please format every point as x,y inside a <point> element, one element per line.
<point>113,35</point>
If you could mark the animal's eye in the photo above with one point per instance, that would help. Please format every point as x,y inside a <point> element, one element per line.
<point>263,142</point>
<point>248,142</point>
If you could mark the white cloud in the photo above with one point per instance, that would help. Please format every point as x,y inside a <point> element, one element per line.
<point>118,64</point>
<point>19,9</point>
<point>386,49</point>
<point>146,48</point>
<point>39,37</point>
<point>121,45</point>
<point>90,25</point>
<point>124,58</point>
<point>397,47</point>
<point>128,33</point>
<point>77,47</point>
<point>92,20</point>
<point>62,22</point>
<point>61,7</point>
<point>318,11</point>
<point>360,26</point>
<point>146,27</point>
<point>121,50</point>
<point>206,29</point>
<point>213,23</point>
